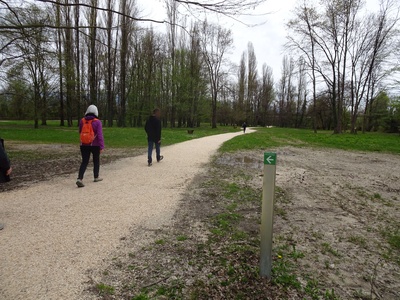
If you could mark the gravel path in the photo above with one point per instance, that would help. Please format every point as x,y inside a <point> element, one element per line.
<point>54,232</point>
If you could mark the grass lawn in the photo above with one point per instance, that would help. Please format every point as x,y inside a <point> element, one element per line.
<point>114,137</point>
<point>264,138</point>
<point>267,138</point>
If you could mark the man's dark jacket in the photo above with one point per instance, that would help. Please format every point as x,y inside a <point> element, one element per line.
<point>153,129</point>
<point>4,163</point>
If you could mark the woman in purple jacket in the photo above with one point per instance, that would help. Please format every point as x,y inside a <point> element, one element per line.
<point>95,148</point>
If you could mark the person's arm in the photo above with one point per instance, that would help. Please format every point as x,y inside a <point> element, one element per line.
<point>158,131</point>
<point>80,126</point>
<point>99,133</point>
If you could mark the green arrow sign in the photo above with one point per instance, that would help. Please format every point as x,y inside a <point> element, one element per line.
<point>270,159</point>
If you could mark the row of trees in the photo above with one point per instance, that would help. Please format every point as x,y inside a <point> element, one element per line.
<point>79,52</point>
<point>349,55</point>
<point>57,57</point>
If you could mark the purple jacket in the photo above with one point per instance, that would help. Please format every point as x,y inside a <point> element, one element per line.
<point>98,131</point>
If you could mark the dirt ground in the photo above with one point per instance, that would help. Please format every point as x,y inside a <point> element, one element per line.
<point>36,163</point>
<point>338,210</point>
<point>341,209</point>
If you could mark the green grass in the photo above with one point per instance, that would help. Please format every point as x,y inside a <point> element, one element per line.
<point>264,138</point>
<point>114,137</point>
<point>105,289</point>
<point>267,138</point>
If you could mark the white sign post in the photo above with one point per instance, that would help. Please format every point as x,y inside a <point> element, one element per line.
<point>267,214</point>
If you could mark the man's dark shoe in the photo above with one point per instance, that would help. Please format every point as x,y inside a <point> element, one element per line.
<point>160,158</point>
<point>149,164</point>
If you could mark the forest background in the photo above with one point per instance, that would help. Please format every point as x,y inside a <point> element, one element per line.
<point>340,71</point>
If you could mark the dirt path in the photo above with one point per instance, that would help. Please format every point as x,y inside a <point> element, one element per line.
<point>54,232</point>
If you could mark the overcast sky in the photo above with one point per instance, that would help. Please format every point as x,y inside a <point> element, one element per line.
<point>268,39</point>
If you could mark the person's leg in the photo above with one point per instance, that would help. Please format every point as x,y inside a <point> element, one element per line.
<point>150,151</point>
<point>85,152</point>
<point>158,152</point>
<point>96,161</point>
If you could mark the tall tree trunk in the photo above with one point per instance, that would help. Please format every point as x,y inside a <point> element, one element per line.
<point>123,67</point>
<point>69,64</point>
<point>78,63</point>
<point>110,72</point>
<point>60,66</point>
<point>92,53</point>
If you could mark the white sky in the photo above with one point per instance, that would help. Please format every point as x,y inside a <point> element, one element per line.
<point>268,39</point>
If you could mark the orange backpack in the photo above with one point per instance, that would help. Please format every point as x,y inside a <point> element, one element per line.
<point>87,133</point>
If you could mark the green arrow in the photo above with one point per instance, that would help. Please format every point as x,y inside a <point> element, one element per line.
<point>269,158</point>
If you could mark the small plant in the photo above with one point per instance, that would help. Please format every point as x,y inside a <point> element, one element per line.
<point>394,240</point>
<point>225,220</point>
<point>281,196</point>
<point>181,238</point>
<point>239,235</point>
<point>377,196</point>
<point>141,297</point>
<point>330,295</point>
<point>280,212</point>
<point>160,242</point>
<point>283,269</point>
<point>283,275</point>
<point>318,235</point>
<point>232,189</point>
<point>296,254</point>
<point>326,264</point>
<point>312,289</point>
<point>358,240</point>
<point>327,248</point>
<point>105,289</point>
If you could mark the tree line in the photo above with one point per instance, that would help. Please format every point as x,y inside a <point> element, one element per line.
<point>57,57</point>
<point>350,56</point>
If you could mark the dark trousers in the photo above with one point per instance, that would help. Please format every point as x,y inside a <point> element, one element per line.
<point>85,152</point>
<point>151,143</point>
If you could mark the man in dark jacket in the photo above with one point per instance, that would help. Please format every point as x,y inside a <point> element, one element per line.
<point>153,130</point>
<point>5,167</point>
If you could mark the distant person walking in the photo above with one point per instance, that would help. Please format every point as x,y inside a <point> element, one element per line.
<point>5,167</point>
<point>244,126</point>
<point>153,130</point>
<point>92,142</point>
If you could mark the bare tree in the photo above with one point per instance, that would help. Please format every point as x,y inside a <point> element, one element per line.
<point>286,93</point>
<point>69,64</point>
<point>302,93</point>
<point>335,47</point>
<point>242,83</point>
<point>252,81</point>
<point>267,94</point>
<point>126,8</point>
<point>60,64</point>
<point>215,42</point>
<point>33,47</point>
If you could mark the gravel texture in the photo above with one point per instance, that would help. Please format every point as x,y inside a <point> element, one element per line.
<point>55,232</point>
